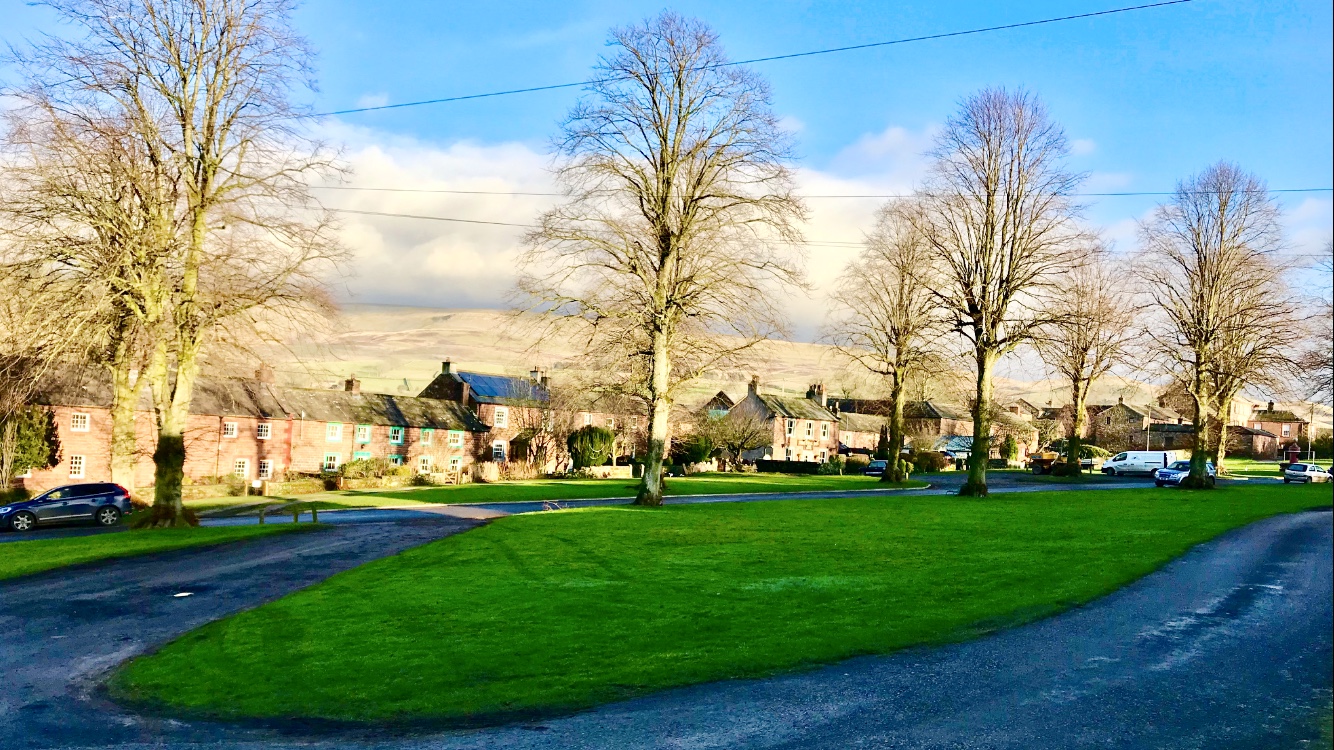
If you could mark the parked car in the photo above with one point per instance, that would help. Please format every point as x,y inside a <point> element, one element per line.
<point>102,503</point>
<point>1306,473</point>
<point>1179,470</point>
<point>876,468</point>
<point>1138,462</point>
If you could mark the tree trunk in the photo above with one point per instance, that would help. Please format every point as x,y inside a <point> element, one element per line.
<point>1218,448</point>
<point>894,471</point>
<point>1199,454</point>
<point>1074,444</point>
<point>171,399</point>
<point>980,452</point>
<point>650,488</point>
<point>124,397</point>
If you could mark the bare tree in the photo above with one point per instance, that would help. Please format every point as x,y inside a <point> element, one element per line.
<point>739,431</point>
<point>883,318</point>
<point>203,88</point>
<point>1316,362</point>
<point>1092,331</point>
<point>673,236</point>
<point>999,222</point>
<point>1209,263</point>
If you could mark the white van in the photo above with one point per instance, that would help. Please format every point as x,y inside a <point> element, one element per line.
<point>1138,462</point>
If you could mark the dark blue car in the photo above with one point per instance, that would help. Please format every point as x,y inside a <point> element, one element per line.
<point>100,502</point>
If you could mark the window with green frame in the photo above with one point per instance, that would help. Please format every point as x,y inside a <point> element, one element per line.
<point>363,433</point>
<point>428,435</point>
<point>396,435</point>
<point>361,455</point>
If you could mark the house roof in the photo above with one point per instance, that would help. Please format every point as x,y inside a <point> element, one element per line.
<point>1152,411</point>
<point>502,389</point>
<point>247,397</point>
<point>852,422</point>
<point>934,410</point>
<point>1175,428</point>
<point>796,408</point>
<point>720,401</point>
<point>1237,429</point>
<point>1276,415</point>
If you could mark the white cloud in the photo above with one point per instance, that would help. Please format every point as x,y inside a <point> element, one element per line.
<point>1083,146</point>
<point>372,100</point>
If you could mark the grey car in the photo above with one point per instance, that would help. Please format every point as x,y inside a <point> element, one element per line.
<point>100,502</point>
<point>1179,470</point>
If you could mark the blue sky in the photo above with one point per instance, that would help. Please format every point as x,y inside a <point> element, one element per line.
<point>1147,98</point>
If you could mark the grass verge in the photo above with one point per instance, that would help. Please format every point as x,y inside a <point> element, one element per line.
<point>37,555</point>
<point>559,611</point>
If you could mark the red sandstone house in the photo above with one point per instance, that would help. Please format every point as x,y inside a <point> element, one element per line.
<point>1284,425</point>
<point>255,430</point>
<point>804,429</point>
<point>515,409</point>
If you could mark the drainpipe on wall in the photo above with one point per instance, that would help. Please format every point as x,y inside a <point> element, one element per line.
<point>217,454</point>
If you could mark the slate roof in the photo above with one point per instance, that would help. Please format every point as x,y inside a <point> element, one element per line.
<point>503,389</point>
<point>1278,415</point>
<point>1178,428</point>
<point>1151,411</point>
<point>933,410</point>
<point>1237,429</point>
<point>247,397</point>
<point>850,422</point>
<point>796,408</point>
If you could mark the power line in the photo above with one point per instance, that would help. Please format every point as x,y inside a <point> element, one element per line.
<point>771,58</point>
<point>859,196</point>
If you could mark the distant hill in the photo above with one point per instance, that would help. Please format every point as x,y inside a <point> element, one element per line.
<point>395,349</point>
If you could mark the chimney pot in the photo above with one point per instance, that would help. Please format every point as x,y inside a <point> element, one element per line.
<point>444,366</point>
<point>754,387</point>
<point>352,385</point>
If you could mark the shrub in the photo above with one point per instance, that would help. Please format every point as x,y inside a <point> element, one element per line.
<point>512,470</point>
<point>591,446</point>
<point>371,468</point>
<point>927,462</point>
<point>882,445</point>
<point>694,449</point>
<point>1010,448</point>
<point>855,464</point>
<point>1323,444</point>
<point>835,465</point>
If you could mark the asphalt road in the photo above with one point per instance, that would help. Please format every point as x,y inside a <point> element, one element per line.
<point>1229,646</point>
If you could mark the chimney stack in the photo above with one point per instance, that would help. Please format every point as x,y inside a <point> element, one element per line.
<point>444,366</point>
<point>265,374</point>
<point>754,388</point>
<point>545,380</point>
<point>1120,400</point>
<point>820,395</point>
<point>352,385</point>
<point>1271,406</point>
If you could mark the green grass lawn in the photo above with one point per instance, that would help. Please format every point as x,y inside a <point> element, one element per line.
<point>34,556</point>
<point>579,489</point>
<point>1248,467</point>
<point>558,611</point>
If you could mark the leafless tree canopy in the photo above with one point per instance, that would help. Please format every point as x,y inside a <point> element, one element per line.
<point>999,222</point>
<point>679,213</point>
<point>217,233</point>
<point>883,317</point>
<point>1210,265</point>
<point>1316,362</point>
<point>1092,331</point>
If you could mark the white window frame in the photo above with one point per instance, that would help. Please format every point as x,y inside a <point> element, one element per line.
<point>810,429</point>
<point>791,427</point>
<point>265,469</point>
<point>456,438</point>
<point>424,464</point>
<point>333,432</point>
<point>787,454</point>
<point>502,417</point>
<point>824,429</point>
<point>427,435</point>
<point>230,430</point>
<point>611,423</point>
<point>499,450</point>
<point>455,463</point>
<point>76,418</point>
<point>1287,430</point>
<point>588,419</point>
<point>397,435</point>
<point>263,430</point>
<point>78,466</point>
<point>362,435</point>
<point>331,462</point>
<point>241,468</point>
